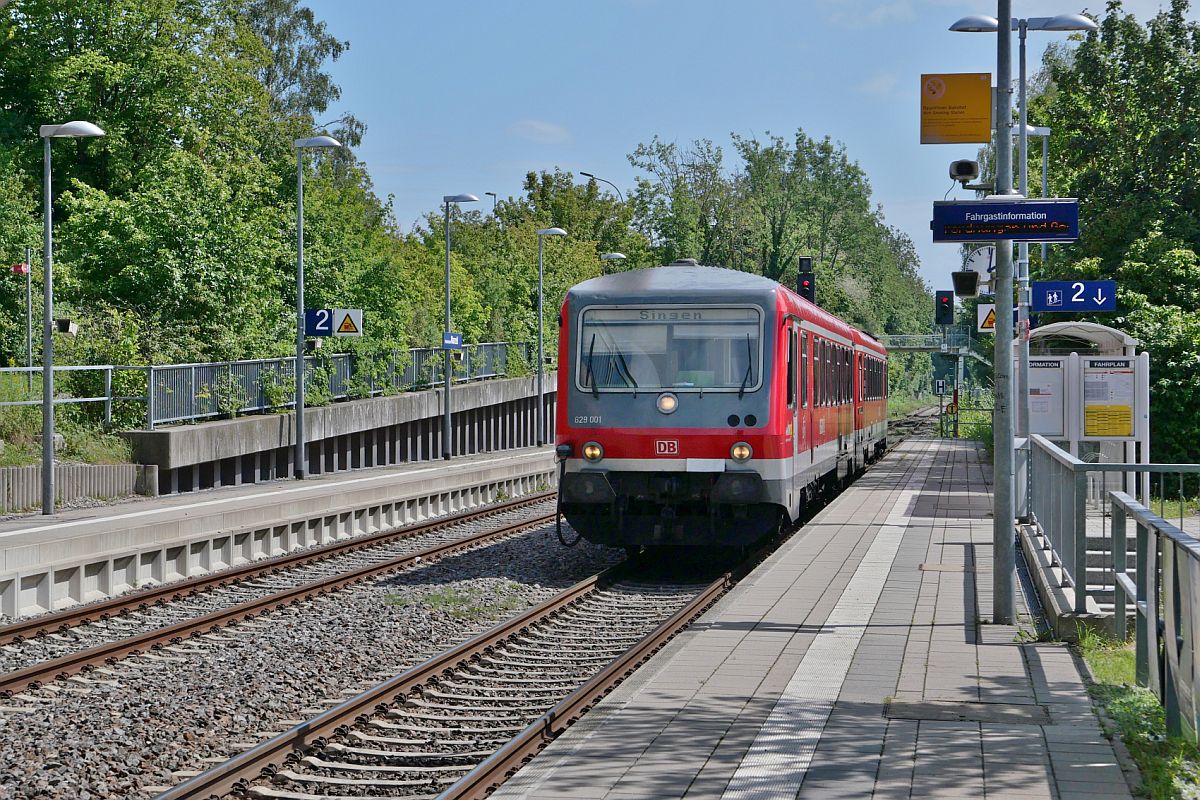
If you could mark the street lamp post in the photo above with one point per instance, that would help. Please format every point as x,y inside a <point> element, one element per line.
<point>611,257</point>
<point>447,200</point>
<point>493,196</point>
<point>301,463</point>
<point>541,366</point>
<point>602,180</point>
<point>73,129</point>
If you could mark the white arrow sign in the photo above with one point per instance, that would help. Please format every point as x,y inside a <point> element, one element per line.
<point>1099,298</point>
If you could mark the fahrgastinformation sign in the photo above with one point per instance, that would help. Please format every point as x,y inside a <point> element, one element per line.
<point>1050,220</point>
<point>956,108</point>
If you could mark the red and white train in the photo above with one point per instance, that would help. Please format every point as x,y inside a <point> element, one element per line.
<point>705,406</point>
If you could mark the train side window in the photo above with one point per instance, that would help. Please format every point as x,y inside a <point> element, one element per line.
<point>804,370</point>
<point>791,369</point>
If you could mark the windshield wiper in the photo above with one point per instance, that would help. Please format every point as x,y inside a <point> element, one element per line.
<point>591,376</point>
<point>749,368</point>
<point>621,359</point>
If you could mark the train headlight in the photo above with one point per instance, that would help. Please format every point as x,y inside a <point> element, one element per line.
<point>667,403</point>
<point>741,452</point>
<point>592,451</point>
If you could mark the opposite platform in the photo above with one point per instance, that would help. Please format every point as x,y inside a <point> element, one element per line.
<point>856,662</point>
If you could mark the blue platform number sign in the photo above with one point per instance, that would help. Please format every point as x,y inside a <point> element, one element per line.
<point>452,341</point>
<point>1074,296</point>
<point>1048,220</point>
<point>318,322</point>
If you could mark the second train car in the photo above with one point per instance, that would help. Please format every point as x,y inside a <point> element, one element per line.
<point>700,406</point>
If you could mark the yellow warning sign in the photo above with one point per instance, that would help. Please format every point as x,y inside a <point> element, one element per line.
<point>348,322</point>
<point>985,317</point>
<point>1107,420</point>
<point>956,108</point>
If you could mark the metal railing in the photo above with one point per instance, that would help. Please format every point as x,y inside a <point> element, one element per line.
<point>954,338</point>
<point>188,392</point>
<point>1067,507</point>
<point>1167,610</point>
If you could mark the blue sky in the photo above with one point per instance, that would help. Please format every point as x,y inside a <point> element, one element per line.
<point>469,96</point>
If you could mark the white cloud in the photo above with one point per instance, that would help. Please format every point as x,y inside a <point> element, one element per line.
<point>540,131</point>
<point>879,84</point>
<point>856,14</point>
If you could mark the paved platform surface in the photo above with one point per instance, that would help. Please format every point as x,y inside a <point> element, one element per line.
<point>856,662</point>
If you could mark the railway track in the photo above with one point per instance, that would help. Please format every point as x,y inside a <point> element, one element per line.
<point>455,725</point>
<point>67,643</point>
<point>458,725</point>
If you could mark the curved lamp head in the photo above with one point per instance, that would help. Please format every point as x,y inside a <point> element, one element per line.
<point>76,128</point>
<point>976,23</point>
<point>551,232</point>
<point>318,141</point>
<point>587,174</point>
<point>613,257</point>
<point>1070,22</point>
<point>459,198</point>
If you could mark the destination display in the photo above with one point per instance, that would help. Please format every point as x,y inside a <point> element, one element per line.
<point>1053,220</point>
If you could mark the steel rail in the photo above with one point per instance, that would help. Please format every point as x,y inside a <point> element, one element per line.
<point>234,774</point>
<point>60,621</point>
<point>483,779</point>
<point>72,663</point>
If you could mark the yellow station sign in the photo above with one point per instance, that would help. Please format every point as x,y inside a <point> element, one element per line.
<point>956,108</point>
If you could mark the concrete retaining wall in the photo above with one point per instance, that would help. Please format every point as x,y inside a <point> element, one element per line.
<point>21,487</point>
<point>486,416</point>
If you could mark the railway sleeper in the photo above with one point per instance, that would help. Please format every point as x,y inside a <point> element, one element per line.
<point>301,777</point>
<point>443,718</point>
<point>446,732</point>
<point>598,638</point>
<point>504,701</point>
<point>542,687</point>
<point>510,676</point>
<point>534,660</point>
<point>433,741</point>
<point>273,793</point>
<point>387,769</point>
<point>500,705</point>
<point>470,756</point>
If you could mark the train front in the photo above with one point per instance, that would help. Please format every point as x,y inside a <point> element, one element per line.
<point>664,412</point>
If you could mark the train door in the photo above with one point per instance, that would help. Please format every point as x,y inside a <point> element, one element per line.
<point>804,439</point>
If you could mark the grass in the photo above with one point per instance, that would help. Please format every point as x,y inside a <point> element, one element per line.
<point>466,602</point>
<point>21,427</point>
<point>976,425</point>
<point>1170,767</point>
<point>900,406</point>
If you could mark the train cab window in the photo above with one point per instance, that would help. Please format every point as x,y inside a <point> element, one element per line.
<point>791,369</point>
<point>804,370</point>
<point>681,348</point>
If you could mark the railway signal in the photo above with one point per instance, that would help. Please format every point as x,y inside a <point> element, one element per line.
<point>943,308</point>
<point>806,280</point>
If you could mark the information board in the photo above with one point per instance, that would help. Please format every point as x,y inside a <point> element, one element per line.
<point>1047,397</point>
<point>1109,396</point>
<point>1040,220</point>
<point>956,108</point>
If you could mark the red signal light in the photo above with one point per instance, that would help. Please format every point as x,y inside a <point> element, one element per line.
<point>20,269</point>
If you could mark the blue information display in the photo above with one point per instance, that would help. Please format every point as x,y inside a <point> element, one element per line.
<point>1054,220</point>
<point>318,322</point>
<point>1074,296</point>
<point>452,341</point>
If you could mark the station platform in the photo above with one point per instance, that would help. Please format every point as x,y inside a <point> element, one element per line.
<point>85,554</point>
<point>858,661</point>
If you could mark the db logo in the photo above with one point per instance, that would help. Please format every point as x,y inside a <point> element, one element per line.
<point>666,447</point>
